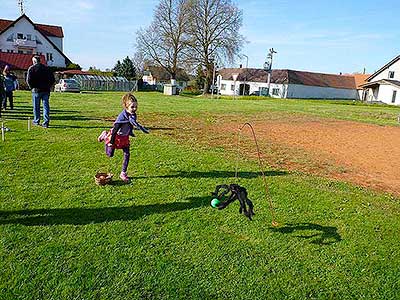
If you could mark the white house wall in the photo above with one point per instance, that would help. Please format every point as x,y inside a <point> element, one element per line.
<point>360,94</point>
<point>384,74</point>
<point>386,93</point>
<point>57,41</point>
<point>254,87</point>
<point>25,27</point>
<point>316,92</point>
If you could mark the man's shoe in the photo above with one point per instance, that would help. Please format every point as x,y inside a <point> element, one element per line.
<point>45,125</point>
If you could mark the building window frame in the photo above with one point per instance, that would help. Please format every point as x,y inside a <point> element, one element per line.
<point>391,74</point>
<point>394,96</point>
<point>49,56</point>
<point>276,91</point>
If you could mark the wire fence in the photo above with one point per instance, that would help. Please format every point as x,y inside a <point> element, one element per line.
<point>104,83</point>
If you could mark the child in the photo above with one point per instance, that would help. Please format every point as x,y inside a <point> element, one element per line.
<point>118,136</point>
<point>10,83</point>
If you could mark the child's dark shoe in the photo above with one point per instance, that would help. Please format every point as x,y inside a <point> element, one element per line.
<point>102,136</point>
<point>124,177</point>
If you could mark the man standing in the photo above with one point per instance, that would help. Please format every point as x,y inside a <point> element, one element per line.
<point>40,79</point>
<point>2,91</point>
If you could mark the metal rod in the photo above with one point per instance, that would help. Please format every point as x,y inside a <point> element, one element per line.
<point>267,192</point>
<point>2,132</point>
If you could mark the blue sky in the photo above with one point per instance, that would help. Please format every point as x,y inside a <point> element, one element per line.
<point>313,35</point>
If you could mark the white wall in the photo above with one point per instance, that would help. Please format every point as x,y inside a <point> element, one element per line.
<point>385,73</point>
<point>386,93</point>
<point>292,90</point>
<point>254,87</point>
<point>360,94</point>
<point>57,41</point>
<point>316,92</point>
<point>25,27</point>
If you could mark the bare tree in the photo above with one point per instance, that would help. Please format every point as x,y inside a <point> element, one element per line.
<point>214,33</point>
<point>164,40</point>
<point>139,63</point>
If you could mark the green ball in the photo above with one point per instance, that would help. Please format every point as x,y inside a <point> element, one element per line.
<point>215,202</point>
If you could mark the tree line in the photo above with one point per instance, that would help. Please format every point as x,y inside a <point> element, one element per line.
<point>191,35</point>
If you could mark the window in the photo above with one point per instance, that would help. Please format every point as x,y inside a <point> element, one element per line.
<point>391,74</point>
<point>29,37</point>
<point>10,37</point>
<point>263,91</point>
<point>20,36</point>
<point>10,51</point>
<point>49,56</point>
<point>223,87</point>
<point>394,96</point>
<point>232,87</point>
<point>276,91</point>
<point>29,51</point>
<point>20,52</point>
<point>37,40</point>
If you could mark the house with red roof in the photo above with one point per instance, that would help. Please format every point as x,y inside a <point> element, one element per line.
<point>286,84</point>
<point>384,85</point>
<point>22,38</point>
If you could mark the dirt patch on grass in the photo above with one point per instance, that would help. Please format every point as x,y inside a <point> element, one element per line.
<point>364,154</point>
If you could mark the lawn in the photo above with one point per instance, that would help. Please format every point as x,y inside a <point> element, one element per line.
<point>63,237</point>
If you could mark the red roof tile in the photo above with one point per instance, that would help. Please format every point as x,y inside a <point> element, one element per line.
<point>17,61</point>
<point>48,30</point>
<point>361,79</point>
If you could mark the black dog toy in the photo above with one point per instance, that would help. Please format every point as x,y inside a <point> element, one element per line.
<point>237,193</point>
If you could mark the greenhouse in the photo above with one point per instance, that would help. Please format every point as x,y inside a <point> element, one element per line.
<point>104,83</point>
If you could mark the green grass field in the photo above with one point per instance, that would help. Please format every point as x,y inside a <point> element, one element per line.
<point>63,237</point>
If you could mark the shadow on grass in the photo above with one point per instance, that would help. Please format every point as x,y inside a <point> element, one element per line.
<point>83,216</point>
<point>75,126</point>
<point>22,112</point>
<point>324,235</point>
<point>216,174</point>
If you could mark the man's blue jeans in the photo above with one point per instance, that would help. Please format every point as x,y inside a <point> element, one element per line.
<point>36,97</point>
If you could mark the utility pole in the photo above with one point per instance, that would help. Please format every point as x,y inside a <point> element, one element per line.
<point>21,6</point>
<point>268,67</point>
<point>213,80</point>
<point>245,78</point>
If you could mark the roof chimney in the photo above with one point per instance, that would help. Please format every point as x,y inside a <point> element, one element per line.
<point>240,66</point>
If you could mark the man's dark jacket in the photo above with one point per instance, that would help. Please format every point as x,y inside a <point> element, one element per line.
<point>40,79</point>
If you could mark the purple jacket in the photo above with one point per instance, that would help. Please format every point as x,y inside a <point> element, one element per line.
<point>124,125</point>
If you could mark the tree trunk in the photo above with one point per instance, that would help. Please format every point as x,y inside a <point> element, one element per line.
<point>208,79</point>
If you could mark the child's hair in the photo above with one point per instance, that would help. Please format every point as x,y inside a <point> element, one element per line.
<point>128,98</point>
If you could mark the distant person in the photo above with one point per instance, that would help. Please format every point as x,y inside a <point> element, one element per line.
<point>118,136</point>
<point>40,79</point>
<point>11,84</point>
<point>2,91</point>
